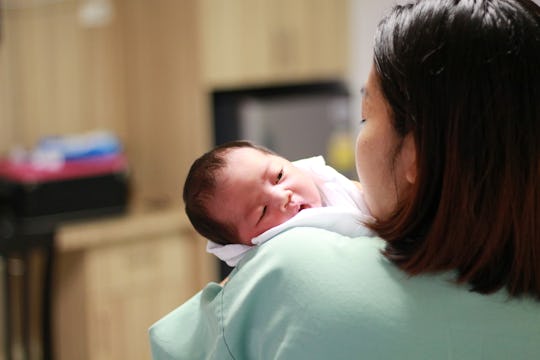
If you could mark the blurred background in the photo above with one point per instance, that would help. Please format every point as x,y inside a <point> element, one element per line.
<point>104,104</point>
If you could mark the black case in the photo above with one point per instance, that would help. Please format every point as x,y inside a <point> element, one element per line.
<point>28,209</point>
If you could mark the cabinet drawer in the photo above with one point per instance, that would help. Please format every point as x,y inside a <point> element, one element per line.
<point>124,266</point>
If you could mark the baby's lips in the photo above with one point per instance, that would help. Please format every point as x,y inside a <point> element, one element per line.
<point>298,204</point>
<point>294,208</point>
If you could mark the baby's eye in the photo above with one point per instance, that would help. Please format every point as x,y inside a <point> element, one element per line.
<point>263,212</point>
<point>279,176</point>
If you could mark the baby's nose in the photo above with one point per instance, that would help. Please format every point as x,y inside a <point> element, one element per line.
<point>282,199</point>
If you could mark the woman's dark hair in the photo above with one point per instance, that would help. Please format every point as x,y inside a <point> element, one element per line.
<point>199,190</point>
<point>463,77</point>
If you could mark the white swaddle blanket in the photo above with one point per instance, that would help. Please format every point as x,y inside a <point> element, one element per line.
<point>344,221</point>
<point>344,211</point>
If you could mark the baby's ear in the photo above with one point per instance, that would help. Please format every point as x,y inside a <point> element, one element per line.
<point>408,153</point>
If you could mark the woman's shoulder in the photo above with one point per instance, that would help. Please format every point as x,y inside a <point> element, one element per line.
<point>296,292</point>
<point>321,267</point>
<point>314,294</point>
<point>310,256</point>
<point>313,260</point>
<point>311,288</point>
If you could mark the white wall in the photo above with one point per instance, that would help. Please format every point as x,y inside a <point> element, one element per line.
<point>364,17</point>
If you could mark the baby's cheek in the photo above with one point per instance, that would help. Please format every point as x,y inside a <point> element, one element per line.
<point>270,223</point>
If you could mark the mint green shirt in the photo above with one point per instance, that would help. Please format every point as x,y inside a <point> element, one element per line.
<point>314,294</point>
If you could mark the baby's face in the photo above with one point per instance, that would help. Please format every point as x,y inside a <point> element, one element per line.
<point>257,191</point>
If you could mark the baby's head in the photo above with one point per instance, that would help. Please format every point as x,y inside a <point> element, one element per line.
<point>239,190</point>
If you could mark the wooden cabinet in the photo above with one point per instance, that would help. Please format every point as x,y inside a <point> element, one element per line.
<point>267,41</point>
<point>115,278</point>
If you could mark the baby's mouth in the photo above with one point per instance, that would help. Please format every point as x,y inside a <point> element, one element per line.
<point>303,206</point>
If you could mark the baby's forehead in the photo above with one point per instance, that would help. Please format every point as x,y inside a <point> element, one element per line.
<point>231,151</point>
<point>241,158</point>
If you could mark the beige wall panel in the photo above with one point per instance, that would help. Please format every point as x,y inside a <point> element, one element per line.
<point>7,109</point>
<point>63,77</point>
<point>164,109</point>
<point>103,80</point>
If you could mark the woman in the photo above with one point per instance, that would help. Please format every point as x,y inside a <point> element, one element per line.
<point>449,159</point>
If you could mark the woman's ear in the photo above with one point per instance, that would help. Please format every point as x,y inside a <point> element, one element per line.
<point>408,153</point>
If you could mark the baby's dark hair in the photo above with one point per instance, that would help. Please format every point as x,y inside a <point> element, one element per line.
<point>200,187</point>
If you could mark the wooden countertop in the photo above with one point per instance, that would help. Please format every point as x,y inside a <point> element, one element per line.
<point>129,227</point>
